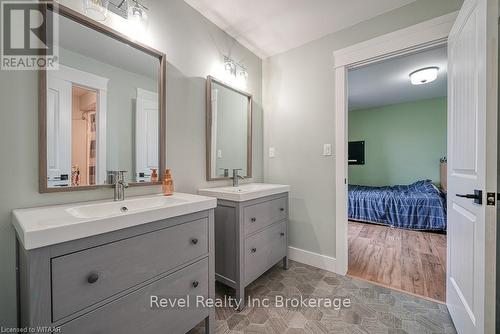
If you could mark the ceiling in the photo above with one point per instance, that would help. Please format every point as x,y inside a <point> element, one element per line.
<point>269,27</point>
<point>388,82</point>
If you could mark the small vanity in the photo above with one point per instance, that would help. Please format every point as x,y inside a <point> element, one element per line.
<point>251,219</point>
<point>251,232</point>
<point>96,268</point>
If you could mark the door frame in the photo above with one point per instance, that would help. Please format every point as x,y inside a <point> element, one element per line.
<point>423,36</point>
<point>143,96</point>
<point>100,85</point>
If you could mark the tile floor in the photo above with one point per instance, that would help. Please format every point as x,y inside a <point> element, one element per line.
<point>374,309</point>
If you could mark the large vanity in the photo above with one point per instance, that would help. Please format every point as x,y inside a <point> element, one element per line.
<point>96,267</point>
<point>251,231</point>
<point>128,265</point>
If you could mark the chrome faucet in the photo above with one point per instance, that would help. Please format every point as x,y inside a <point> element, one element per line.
<point>236,177</point>
<point>119,184</point>
<point>226,171</point>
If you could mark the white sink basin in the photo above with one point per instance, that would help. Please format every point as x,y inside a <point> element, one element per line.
<point>245,192</point>
<point>39,227</point>
<point>102,210</point>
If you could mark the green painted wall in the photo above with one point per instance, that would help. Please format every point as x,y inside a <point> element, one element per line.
<point>403,142</point>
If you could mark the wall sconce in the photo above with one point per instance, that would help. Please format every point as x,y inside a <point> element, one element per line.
<point>137,12</point>
<point>235,69</point>
<point>96,9</point>
<point>231,72</point>
<point>136,15</point>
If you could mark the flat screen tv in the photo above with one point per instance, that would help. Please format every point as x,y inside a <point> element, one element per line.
<point>356,154</point>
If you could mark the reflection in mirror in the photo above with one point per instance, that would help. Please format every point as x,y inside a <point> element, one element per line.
<point>229,140</point>
<point>102,110</point>
<point>83,136</point>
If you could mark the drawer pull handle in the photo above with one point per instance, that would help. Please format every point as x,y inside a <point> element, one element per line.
<point>282,209</point>
<point>282,234</point>
<point>92,278</point>
<point>253,219</point>
<point>194,241</point>
<point>195,284</point>
<point>254,250</point>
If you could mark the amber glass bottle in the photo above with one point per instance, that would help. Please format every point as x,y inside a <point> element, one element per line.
<point>167,183</point>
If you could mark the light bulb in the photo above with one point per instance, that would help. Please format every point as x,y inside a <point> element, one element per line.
<point>96,9</point>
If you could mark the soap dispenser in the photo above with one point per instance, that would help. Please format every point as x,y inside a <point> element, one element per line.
<point>167,183</point>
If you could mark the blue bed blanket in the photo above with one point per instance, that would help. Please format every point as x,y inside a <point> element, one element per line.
<point>419,206</point>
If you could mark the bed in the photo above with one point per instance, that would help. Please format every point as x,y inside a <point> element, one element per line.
<point>418,206</point>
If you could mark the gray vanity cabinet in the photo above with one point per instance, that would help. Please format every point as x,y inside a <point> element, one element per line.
<point>251,237</point>
<point>104,283</point>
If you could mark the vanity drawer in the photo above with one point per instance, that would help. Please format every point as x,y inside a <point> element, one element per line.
<point>86,277</point>
<point>258,216</point>
<point>133,313</point>
<point>264,250</point>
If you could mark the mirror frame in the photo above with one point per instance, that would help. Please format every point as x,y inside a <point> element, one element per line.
<point>208,129</point>
<point>42,107</point>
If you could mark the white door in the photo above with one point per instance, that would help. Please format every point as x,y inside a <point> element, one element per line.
<point>472,166</point>
<point>146,134</point>
<point>58,132</point>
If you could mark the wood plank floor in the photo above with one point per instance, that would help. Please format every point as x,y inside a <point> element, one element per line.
<point>411,261</point>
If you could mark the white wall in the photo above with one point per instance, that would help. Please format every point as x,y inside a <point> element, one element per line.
<point>299,118</point>
<point>194,47</point>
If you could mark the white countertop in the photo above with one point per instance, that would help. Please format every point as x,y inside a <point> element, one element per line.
<point>49,225</point>
<point>245,192</point>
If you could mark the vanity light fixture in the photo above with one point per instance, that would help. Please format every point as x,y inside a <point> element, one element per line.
<point>235,69</point>
<point>96,9</point>
<point>229,66</point>
<point>137,12</point>
<point>424,75</point>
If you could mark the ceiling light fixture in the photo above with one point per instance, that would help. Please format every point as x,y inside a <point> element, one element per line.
<point>424,75</point>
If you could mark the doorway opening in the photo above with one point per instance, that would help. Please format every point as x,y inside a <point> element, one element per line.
<point>83,136</point>
<point>397,148</point>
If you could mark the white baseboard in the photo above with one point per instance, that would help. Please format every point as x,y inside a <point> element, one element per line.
<point>313,259</point>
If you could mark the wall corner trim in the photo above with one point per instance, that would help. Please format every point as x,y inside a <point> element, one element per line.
<point>324,262</point>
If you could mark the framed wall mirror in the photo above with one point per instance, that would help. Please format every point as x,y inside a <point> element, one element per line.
<point>229,131</point>
<point>102,110</point>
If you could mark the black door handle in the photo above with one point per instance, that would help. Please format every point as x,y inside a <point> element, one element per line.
<point>477,196</point>
<point>470,196</point>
